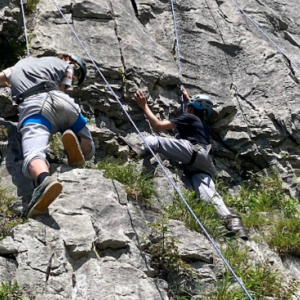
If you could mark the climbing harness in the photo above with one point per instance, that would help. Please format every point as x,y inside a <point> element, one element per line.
<point>25,28</point>
<point>43,87</point>
<point>154,155</point>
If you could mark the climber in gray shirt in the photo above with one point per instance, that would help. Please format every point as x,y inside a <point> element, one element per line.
<point>192,147</point>
<point>37,86</point>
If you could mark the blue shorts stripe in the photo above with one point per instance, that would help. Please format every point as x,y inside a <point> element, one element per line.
<point>79,124</point>
<point>38,119</point>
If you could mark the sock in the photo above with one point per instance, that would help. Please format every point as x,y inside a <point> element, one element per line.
<point>42,177</point>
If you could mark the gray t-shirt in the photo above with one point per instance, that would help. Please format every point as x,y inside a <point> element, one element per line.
<point>31,71</point>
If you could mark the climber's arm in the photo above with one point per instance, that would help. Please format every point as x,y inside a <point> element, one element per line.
<point>156,124</point>
<point>5,77</point>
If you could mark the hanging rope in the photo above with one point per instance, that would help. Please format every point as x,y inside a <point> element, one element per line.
<point>223,40</point>
<point>232,85</point>
<point>154,155</point>
<point>25,28</point>
<point>265,34</point>
<point>181,196</point>
<point>177,49</point>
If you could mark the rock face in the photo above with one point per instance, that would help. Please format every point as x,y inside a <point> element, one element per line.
<point>88,245</point>
<point>253,85</point>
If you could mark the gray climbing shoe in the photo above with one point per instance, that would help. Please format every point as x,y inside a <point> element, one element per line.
<point>140,150</point>
<point>234,225</point>
<point>43,196</point>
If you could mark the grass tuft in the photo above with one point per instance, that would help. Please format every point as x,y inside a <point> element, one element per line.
<point>138,186</point>
<point>8,220</point>
<point>10,291</point>
<point>203,210</point>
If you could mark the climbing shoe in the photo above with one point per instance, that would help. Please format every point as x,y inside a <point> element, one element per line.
<point>43,196</point>
<point>73,149</point>
<point>138,149</point>
<point>234,225</point>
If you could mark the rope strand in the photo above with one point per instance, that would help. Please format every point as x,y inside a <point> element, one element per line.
<point>177,50</point>
<point>25,28</point>
<point>265,34</point>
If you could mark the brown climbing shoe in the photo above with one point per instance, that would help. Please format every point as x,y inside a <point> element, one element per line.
<point>72,146</point>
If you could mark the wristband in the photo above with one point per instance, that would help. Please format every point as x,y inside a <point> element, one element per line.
<point>67,80</point>
<point>7,72</point>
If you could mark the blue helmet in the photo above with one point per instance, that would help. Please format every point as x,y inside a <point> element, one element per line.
<point>201,101</point>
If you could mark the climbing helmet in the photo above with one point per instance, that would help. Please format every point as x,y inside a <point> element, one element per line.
<point>201,101</point>
<point>80,69</point>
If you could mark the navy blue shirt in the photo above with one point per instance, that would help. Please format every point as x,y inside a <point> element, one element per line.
<point>192,128</point>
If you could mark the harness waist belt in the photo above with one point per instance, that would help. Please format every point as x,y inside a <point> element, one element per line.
<point>196,148</point>
<point>43,87</point>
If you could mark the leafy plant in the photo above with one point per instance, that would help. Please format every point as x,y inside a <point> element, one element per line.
<point>138,186</point>
<point>166,260</point>
<point>8,219</point>
<point>10,291</point>
<point>203,210</point>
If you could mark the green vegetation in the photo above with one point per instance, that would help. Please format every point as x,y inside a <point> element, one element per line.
<point>10,291</point>
<point>260,279</point>
<point>8,219</point>
<point>56,147</point>
<point>205,211</point>
<point>12,48</point>
<point>3,133</point>
<point>31,5</point>
<point>166,261</point>
<point>138,186</point>
<point>265,208</point>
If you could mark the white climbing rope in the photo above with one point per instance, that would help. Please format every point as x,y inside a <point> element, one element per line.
<point>177,49</point>
<point>265,34</point>
<point>176,36</point>
<point>154,155</point>
<point>25,28</point>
